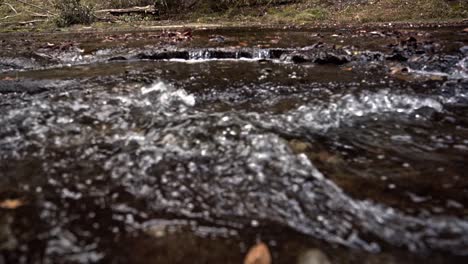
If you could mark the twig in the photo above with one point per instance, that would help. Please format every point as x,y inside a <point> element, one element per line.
<point>32,21</point>
<point>7,17</point>
<point>24,22</point>
<point>35,6</point>
<point>12,8</point>
<point>38,14</point>
<point>136,9</point>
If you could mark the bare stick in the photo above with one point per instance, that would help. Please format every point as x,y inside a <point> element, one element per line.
<point>7,17</point>
<point>12,8</point>
<point>37,14</point>
<point>136,9</point>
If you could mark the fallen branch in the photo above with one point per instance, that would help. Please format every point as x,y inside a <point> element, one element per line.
<point>132,10</point>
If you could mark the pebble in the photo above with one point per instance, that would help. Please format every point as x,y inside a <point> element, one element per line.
<point>313,256</point>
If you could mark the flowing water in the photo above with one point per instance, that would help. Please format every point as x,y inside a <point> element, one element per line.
<point>195,157</point>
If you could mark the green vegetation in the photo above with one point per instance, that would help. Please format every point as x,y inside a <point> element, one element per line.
<point>71,12</point>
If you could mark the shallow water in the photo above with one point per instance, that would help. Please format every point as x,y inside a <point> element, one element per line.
<point>194,161</point>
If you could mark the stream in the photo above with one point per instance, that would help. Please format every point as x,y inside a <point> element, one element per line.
<point>353,142</point>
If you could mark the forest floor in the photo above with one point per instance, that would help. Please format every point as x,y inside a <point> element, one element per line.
<point>41,16</point>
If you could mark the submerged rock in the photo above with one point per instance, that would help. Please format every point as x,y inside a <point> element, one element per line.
<point>464,50</point>
<point>313,256</point>
<point>217,38</point>
<point>7,239</point>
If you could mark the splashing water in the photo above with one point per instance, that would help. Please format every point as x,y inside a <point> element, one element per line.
<point>217,166</point>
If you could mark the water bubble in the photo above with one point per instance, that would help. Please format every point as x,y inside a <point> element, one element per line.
<point>254,223</point>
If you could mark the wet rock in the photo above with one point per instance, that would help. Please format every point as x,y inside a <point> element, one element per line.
<point>9,64</point>
<point>296,57</point>
<point>259,254</point>
<point>397,56</point>
<point>164,55</point>
<point>409,42</point>
<point>331,58</point>
<point>217,38</point>
<point>7,239</point>
<point>225,54</point>
<point>118,58</point>
<point>316,56</point>
<point>313,256</point>
<point>464,50</point>
<point>368,56</point>
<point>277,53</point>
<point>377,34</point>
<point>410,47</point>
<point>425,112</point>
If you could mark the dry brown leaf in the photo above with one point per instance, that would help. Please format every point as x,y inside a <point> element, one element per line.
<point>396,70</point>
<point>465,30</point>
<point>11,203</point>
<point>259,254</point>
<point>8,78</point>
<point>438,78</point>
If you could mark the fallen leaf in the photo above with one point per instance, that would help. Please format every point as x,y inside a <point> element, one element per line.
<point>438,78</point>
<point>299,146</point>
<point>259,254</point>
<point>11,203</point>
<point>348,69</point>
<point>398,70</point>
<point>8,78</point>
<point>465,30</point>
